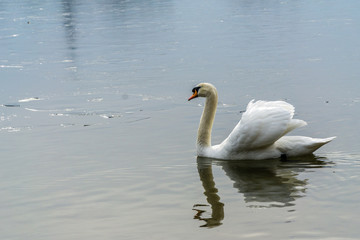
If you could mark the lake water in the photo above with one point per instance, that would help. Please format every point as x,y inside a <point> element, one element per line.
<point>98,138</point>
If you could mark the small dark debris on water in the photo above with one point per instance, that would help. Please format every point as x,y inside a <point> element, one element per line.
<point>11,105</point>
<point>140,119</point>
<point>242,111</point>
<point>87,125</point>
<point>326,101</point>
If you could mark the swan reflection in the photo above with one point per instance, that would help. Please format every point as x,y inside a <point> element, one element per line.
<point>263,183</point>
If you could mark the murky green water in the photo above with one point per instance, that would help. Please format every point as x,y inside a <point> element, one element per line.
<point>98,139</point>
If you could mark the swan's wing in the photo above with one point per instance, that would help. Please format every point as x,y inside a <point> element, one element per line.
<point>261,125</point>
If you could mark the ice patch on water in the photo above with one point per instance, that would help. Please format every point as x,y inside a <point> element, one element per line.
<point>33,110</point>
<point>10,129</point>
<point>30,99</point>
<point>95,100</point>
<point>110,115</point>
<point>11,66</point>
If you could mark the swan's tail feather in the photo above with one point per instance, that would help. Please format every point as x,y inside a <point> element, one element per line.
<point>298,145</point>
<point>326,140</point>
<point>318,142</point>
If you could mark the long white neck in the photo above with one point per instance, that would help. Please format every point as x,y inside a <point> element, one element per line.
<point>207,120</point>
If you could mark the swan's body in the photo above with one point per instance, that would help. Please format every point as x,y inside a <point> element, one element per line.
<point>258,135</point>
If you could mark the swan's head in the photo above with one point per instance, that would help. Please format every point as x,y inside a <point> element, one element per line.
<point>203,90</point>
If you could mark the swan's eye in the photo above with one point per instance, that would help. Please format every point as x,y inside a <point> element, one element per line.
<point>195,89</point>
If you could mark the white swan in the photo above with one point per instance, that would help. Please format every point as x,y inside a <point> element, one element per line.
<point>258,135</point>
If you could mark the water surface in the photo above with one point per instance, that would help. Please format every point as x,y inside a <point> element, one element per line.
<point>98,139</point>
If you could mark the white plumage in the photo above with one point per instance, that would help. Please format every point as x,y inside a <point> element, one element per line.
<point>258,135</point>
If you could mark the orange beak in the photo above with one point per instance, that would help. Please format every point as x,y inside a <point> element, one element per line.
<point>195,95</point>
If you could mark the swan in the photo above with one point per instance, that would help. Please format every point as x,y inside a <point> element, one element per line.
<point>258,135</point>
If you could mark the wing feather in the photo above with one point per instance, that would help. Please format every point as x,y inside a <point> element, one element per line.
<point>261,125</point>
